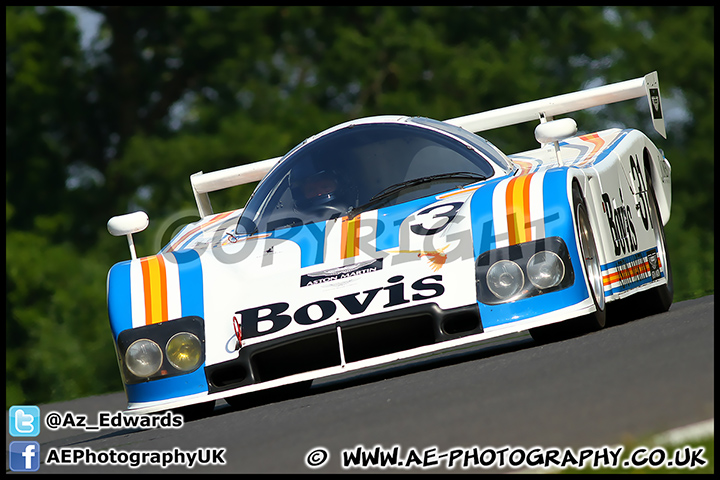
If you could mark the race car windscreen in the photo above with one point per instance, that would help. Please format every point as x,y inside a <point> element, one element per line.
<point>357,168</point>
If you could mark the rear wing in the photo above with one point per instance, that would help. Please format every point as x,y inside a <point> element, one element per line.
<point>203,183</point>
<point>547,108</point>
<point>539,110</point>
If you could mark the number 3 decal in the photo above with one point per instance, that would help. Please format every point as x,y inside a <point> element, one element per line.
<point>419,229</point>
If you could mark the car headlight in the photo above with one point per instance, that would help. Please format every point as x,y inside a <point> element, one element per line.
<point>184,351</point>
<point>161,350</point>
<point>501,273</point>
<point>505,279</point>
<point>545,270</point>
<point>143,358</point>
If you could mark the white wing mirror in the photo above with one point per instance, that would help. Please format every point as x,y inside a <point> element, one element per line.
<point>553,131</point>
<point>127,225</point>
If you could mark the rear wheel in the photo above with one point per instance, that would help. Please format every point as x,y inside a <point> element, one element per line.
<point>658,299</point>
<point>591,262</point>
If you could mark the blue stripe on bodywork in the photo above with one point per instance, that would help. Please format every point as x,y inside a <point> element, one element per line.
<point>483,225</point>
<point>167,388</point>
<point>189,240</point>
<point>558,221</point>
<point>626,263</point>
<point>608,150</point>
<point>191,283</point>
<point>311,240</point>
<point>119,298</point>
<point>605,151</point>
<point>557,217</point>
<point>192,304</point>
<point>390,218</point>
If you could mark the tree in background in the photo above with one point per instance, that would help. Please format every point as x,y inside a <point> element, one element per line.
<point>164,92</point>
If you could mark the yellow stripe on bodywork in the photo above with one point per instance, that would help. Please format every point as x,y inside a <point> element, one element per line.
<point>155,286</point>
<point>350,237</point>
<point>518,210</point>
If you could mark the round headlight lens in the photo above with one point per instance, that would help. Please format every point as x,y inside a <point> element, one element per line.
<point>184,351</point>
<point>505,279</point>
<point>143,357</point>
<point>545,270</point>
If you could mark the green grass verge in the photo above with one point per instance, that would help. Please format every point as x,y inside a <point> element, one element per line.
<point>662,454</point>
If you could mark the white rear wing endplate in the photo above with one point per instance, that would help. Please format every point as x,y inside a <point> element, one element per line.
<point>545,109</point>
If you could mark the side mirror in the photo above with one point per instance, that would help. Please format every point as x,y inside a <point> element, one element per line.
<point>555,130</point>
<point>127,225</point>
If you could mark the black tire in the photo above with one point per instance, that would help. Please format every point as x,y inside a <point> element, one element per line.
<point>196,412</point>
<point>591,262</point>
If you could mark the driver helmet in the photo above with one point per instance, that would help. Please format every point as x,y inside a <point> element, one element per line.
<point>313,190</point>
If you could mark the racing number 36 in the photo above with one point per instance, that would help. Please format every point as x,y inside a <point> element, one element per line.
<point>641,188</point>
<point>446,214</point>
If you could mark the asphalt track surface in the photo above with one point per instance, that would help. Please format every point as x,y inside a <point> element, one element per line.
<point>625,383</point>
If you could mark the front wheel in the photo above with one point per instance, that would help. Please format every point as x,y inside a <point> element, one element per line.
<point>591,262</point>
<point>196,412</point>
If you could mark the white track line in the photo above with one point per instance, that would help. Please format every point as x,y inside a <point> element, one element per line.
<point>676,436</point>
<point>687,433</point>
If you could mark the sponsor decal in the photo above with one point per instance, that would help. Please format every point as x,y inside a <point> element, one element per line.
<point>655,102</point>
<point>271,318</point>
<point>639,184</point>
<point>622,228</point>
<point>632,271</point>
<point>436,258</point>
<point>340,273</point>
<point>654,265</point>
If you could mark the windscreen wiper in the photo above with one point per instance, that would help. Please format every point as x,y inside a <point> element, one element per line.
<point>393,189</point>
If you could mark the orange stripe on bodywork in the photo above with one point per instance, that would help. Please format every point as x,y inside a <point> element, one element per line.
<point>458,192</point>
<point>517,200</point>
<point>350,237</point>
<point>524,166</point>
<point>597,142</point>
<point>626,273</point>
<point>163,290</point>
<point>511,213</point>
<point>155,288</point>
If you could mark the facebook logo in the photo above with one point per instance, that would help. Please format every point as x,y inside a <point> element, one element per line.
<point>24,421</point>
<point>24,456</point>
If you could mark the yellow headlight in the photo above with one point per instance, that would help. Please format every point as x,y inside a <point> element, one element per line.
<point>184,351</point>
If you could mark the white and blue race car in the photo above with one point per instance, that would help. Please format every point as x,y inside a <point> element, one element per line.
<point>390,237</point>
